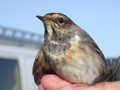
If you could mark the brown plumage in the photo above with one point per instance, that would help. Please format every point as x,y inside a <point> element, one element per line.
<point>40,67</point>
<point>69,52</point>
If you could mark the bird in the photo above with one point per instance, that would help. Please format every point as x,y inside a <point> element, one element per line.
<point>69,52</point>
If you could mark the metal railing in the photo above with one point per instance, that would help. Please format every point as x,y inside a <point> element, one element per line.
<point>20,36</point>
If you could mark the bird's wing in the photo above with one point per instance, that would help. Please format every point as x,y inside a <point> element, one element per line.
<point>94,47</point>
<point>104,72</point>
<point>40,67</point>
<point>87,40</point>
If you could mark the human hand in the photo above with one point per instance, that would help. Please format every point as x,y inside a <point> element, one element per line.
<point>53,82</point>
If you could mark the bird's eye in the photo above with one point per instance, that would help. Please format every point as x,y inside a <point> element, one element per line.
<point>61,20</point>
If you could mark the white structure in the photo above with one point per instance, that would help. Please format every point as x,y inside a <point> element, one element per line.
<point>17,55</point>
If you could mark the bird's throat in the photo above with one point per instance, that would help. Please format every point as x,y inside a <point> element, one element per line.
<point>48,31</point>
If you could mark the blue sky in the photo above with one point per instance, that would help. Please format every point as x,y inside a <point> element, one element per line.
<point>100,18</point>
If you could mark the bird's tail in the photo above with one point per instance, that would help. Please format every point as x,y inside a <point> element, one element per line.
<point>113,73</point>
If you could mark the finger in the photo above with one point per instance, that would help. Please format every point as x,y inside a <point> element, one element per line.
<point>40,87</point>
<point>72,87</point>
<point>53,82</point>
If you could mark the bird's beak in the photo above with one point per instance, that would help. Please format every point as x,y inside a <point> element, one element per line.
<point>46,20</point>
<point>40,17</point>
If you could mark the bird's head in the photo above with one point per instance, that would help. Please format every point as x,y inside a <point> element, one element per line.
<point>56,24</point>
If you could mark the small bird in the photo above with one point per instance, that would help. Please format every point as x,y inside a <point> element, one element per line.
<point>69,52</point>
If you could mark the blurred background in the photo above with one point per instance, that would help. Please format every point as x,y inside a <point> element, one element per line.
<point>21,33</point>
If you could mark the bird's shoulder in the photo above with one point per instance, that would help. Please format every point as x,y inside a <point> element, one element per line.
<point>85,40</point>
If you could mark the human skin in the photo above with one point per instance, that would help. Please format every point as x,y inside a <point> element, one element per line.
<point>53,82</point>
